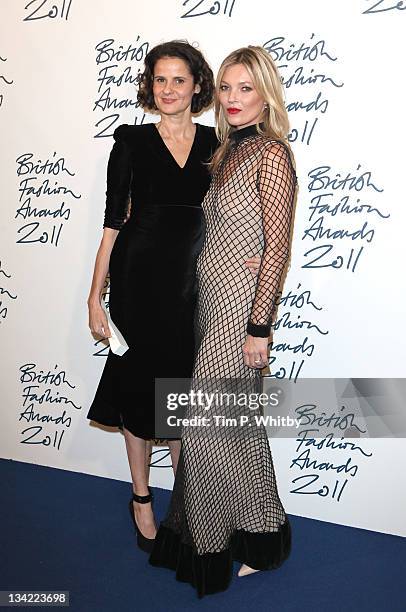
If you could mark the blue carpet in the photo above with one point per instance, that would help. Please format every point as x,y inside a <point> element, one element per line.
<point>69,531</point>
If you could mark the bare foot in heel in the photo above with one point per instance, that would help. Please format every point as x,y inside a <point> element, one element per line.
<point>145,519</point>
<point>245,570</point>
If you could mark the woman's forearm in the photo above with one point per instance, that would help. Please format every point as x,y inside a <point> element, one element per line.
<point>101,266</point>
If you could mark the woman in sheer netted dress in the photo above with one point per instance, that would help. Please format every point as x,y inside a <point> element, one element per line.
<point>225,504</point>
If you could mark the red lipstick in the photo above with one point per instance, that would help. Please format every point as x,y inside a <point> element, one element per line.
<point>233,111</point>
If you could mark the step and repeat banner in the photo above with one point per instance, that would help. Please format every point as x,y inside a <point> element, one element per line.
<point>68,71</point>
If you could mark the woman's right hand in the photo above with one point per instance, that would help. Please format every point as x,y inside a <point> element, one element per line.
<point>253,264</point>
<point>97,317</point>
<point>98,320</point>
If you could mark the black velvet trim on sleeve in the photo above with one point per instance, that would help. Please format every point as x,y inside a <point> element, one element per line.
<point>258,331</point>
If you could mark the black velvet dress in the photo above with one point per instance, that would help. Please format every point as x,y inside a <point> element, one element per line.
<point>153,285</point>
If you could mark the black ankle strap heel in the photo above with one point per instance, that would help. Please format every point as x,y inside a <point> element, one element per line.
<point>145,544</point>
<point>143,499</point>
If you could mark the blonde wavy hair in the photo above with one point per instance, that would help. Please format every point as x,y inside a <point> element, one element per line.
<point>267,82</point>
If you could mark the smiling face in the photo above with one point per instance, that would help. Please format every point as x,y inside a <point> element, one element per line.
<point>173,86</point>
<point>241,103</point>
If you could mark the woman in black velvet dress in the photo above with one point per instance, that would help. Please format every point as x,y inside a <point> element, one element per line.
<point>150,249</point>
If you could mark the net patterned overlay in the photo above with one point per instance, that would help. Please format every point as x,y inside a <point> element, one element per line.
<point>225,482</point>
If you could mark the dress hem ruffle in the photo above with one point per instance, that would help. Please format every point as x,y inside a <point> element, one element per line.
<point>107,422</point>
<point>212,572</point>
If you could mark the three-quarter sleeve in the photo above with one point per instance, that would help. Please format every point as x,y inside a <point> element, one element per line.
<point>119,175</point>
<point>276,184</point>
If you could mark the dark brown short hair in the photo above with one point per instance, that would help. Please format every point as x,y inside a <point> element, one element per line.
<point>198,67</point>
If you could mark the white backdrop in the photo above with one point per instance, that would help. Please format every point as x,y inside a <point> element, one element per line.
<point>67,73</point>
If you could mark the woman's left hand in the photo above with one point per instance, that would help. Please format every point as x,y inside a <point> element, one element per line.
<point>255,352</point>
<point>253,264</point>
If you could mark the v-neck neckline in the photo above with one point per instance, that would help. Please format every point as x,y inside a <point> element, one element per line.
<point>181,168</point>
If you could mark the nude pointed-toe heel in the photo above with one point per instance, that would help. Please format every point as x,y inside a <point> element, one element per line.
<point>245,570</point>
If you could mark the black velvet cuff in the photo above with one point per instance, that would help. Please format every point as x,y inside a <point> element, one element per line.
<point>115,224</point>
<point>259,331</point>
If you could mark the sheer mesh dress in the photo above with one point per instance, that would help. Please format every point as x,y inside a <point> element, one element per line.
<point>225,504</point>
